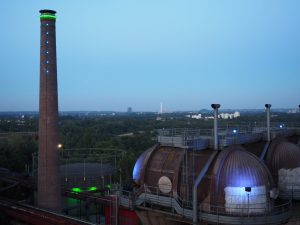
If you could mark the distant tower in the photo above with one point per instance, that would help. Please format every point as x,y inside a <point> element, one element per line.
<point>49,189</point>
<point>161,108</point>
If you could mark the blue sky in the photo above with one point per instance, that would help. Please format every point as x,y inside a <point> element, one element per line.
<point>113,54</point>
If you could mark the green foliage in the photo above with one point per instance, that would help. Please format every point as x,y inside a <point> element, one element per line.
<point>16,152</point>
<point>134,134</point>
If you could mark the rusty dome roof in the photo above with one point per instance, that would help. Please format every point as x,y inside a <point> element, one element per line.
<point>236,167</point>
<point>283,155</point>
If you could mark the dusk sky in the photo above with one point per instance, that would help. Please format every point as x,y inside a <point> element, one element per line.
<point>187,54</point>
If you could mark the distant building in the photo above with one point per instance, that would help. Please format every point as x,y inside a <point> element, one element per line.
<point>293,111</point>
<point>209,118</point>
<point>129,110</point>
<point>227,116</point>
<point>197,116</point>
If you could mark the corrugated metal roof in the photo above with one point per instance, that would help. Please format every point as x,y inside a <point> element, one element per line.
<point>283,155</point>
<point>235,167</point>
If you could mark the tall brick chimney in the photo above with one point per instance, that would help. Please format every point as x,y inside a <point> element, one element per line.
<point>49,189</point>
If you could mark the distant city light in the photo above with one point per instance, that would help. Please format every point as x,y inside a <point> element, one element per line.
<point>59,145</point>
<point>234,131</point>
<point>281,125</point>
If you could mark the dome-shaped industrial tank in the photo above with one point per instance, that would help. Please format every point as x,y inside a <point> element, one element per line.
<point>283,160</point>
<point>159,167</point>
<point>240,180</point>
<point>140,165</point>
<point>236,180</point>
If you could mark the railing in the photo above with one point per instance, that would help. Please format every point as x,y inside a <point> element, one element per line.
<point>246,211</point>
<point>288,190</point>
<point>152,196</point>
<point>228,134</point>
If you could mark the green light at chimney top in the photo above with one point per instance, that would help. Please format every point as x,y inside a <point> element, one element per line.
<point>47,16</point>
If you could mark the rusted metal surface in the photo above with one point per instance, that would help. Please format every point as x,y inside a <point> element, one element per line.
<point>165,162</point>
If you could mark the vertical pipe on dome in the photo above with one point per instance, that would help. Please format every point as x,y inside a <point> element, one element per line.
<point>216,109</point>
<point>196,184</point>
<point>268,110</point>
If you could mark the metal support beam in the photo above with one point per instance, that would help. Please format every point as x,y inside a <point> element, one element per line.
<point>265,150</point>
<point>196,184</point>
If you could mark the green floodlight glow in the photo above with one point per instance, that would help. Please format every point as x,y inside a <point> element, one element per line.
<point>76,190</point>
<point>47,17</point>
<point>92,189</point>
<point>108,186</point>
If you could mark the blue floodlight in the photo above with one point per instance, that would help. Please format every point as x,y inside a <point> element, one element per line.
<point>281,125</point>
<point>234,131</point>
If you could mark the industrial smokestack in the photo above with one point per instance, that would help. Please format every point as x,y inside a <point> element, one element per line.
<point>216,109</point>
<point>268,110</point>
<point>49,188</point>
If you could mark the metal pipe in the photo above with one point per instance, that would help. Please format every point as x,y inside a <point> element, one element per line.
<point>268,110</point>
<point>216,107</point>
<point>196,184</point>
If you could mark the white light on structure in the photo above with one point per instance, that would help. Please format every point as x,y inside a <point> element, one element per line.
<point>59,146</point>
<point>246,200</point>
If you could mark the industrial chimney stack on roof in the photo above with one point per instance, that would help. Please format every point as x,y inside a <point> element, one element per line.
<point>216,112</point>
<point>49,188</point>
<point>268,110</point>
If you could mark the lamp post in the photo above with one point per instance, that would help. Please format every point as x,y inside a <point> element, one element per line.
<point>248,190</point>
